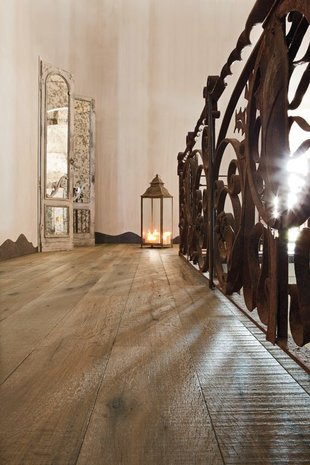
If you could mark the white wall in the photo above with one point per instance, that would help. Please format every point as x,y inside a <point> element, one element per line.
<point>144,61</point>
<point>63,33</point>
<point>158,55</point>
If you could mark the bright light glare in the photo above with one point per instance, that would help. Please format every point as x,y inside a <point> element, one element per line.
<point>276,202</point>
<point>298,165</point>
<point>292,199</point>
<point>293,234</point>
<point>295,183</point>
<point>298,169</point>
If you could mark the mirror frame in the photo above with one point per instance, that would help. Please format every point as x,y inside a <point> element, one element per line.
<point>57,242</point>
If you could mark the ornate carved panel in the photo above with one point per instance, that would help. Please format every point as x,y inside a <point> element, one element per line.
<point>83,168</point>
<point>81,221</point>
<point>241,194</point>
<point>82,141</point>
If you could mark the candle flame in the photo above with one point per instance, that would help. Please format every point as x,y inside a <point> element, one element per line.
<point>153,237</point>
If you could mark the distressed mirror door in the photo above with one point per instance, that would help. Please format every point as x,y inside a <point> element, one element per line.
<point>56,212</point>
<point>83,169</point>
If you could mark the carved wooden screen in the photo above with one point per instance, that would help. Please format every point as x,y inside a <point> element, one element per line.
<point>83,167</point>
<point>242,192</point>
<point>67,162</point>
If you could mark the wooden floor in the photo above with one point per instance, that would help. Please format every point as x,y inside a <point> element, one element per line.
<point>114,355</point>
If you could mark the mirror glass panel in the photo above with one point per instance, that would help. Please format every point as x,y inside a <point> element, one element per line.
<point>57,110</point>
<point>56,221</point>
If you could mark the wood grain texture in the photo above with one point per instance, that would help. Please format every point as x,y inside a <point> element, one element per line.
<point>150,406</point>
<point>132,360</point>
<point>260,415</point>
<point>41,306</point>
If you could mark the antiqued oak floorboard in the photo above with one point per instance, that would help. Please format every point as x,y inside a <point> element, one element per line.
<point>260,414</point>
<point>32,321</point>
<point>47,400</point>
<point>117,355</point>
<point>54,270</point>
<point>150,407</point>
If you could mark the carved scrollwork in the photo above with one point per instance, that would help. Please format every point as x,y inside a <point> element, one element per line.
<point>258,293</point>
<point>190,206</point>
<point>193,211</point>
<point>78,191</point>
<point>235,207</point>
<point>268,120</point>
<point>228,210</point>
<point>266,139</point>
<point>183,226</point>
<point>202,231</point>
<point>200,219</point>
<point>56,186</point>
<point>300,292</point>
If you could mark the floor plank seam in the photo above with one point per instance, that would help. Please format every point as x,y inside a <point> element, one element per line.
<point>16,368</point>
<point>148,366</point>
<point>250,324</point>
<point>194,368</point>
<point>105,369</point>
<point>253,334</point>
<point>69,266</point>
<point>61,319</point>
<point>210,417</point>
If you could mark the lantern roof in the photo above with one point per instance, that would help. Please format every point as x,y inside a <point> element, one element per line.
<point>156,189</point>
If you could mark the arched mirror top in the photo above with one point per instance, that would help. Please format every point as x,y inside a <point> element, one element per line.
<point>57,107</point>
<point>57,92</point>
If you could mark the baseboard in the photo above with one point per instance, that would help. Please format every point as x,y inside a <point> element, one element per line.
<point>11,249</point>
<point>124,238</point>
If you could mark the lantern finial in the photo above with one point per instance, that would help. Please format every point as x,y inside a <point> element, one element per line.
<point>156,189</point>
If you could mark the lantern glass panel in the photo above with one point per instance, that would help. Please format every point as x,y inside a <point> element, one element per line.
<point>151,221</point>
<point>167,221</point>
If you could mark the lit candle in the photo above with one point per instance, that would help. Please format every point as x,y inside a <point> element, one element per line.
<point>167,237</point>
<point>153,237</point>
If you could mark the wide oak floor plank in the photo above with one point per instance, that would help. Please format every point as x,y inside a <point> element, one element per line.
<point>23,329</point>
<point>260,414</point>
<point>150,406</point>
<point>46,403</point>
<point>121,355</point>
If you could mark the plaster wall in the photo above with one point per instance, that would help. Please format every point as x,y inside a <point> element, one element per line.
<point>65,33</point>
<point>145,62</point>
<point>158,55</point>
